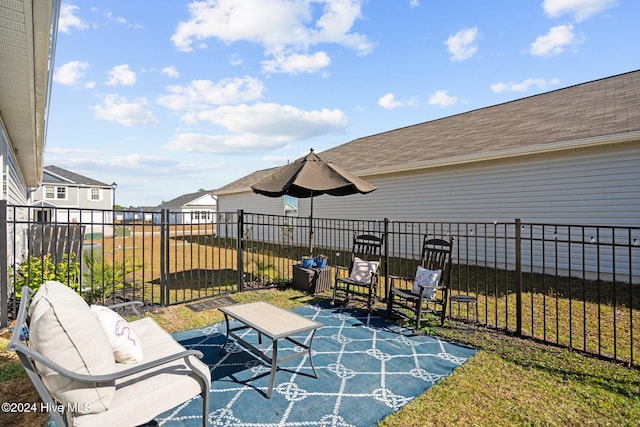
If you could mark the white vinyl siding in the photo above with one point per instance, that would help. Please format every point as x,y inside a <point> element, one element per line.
<point>14,189</point>
<point>251,202</point>
<point>590,187</point>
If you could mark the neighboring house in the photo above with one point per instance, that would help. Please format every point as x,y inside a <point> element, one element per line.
<point>193,208</point>
<point>290,206</point>
<point>569,156</point>
<point>238,195</point>
<point>27,48</point>
<point>86,200</point>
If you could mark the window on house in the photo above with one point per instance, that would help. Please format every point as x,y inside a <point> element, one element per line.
<point>95,194</point>
<point>61,193</point>
<point>49,192</point>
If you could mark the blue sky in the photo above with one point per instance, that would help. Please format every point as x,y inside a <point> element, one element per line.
<point>166,98</point>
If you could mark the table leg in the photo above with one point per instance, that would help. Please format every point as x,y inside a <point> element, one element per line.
<point>226,338</point>
<point>315,374</point>
<point>274,367</point>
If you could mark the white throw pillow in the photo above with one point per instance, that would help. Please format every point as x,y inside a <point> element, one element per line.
<point>126,345</point>
<point>429,278</point>
<point>363,270</point>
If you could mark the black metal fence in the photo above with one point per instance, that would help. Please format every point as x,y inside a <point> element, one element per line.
<point>569,285</point>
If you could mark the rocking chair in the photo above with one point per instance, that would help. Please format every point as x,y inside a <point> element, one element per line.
<point>361,277</point>
<point>427,292</point>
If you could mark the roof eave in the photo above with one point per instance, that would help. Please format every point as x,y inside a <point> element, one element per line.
<point>25,121</point>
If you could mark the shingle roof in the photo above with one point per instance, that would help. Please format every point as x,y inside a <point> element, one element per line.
<point>246,181</point>
<point>183,200</point>
<point>52,175</point>
<point>609,106</point>
<point>603,107</point>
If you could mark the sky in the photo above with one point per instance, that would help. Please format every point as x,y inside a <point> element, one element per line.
<point>169,97</point>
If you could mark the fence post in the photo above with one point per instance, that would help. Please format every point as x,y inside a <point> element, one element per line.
<point>164,257</point>
<point>4,267</point>
<point>518,277</point>
<point>240,249</point>
<point>386,258</point>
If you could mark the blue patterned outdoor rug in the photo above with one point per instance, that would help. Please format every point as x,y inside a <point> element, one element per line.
<point>367,368</point>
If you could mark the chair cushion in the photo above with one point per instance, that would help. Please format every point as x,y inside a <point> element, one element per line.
<point>363,270</point>
<point>65,331</point>
<point>428,278</point>
<point>124,341</point>
<point>143,396</point>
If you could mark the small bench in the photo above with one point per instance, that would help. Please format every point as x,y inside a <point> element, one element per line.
<point>72,361</point>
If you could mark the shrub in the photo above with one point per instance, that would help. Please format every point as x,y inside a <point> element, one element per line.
<point>102,279</point>
<point>34,271</point>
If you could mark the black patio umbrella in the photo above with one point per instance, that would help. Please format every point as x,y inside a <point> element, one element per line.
<point>311,176</point>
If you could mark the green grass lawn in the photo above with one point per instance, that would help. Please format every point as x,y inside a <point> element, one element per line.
<point>509,382</point>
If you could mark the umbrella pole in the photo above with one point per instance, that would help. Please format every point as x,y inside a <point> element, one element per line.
<point>311,227</point>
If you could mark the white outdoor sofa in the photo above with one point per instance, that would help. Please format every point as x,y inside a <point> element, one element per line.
<point>68,355</point>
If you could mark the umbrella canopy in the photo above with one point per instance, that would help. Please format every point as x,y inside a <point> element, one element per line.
<point>311,176</point>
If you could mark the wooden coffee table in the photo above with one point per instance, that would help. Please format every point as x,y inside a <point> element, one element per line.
<point>274,323</point>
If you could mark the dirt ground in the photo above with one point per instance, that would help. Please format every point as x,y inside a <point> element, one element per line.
<point>19,391</point>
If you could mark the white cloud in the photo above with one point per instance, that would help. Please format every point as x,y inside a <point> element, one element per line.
<point>136,166</point>
<point>236,59</point>
<point>69,20</point>
<point>275,120</point>
<point>71,151</point>
<point>257,127</point>
<point>389,102</point>
<point>442,98</point>
<point>555,41</point>
<point>110,16</point>
<point>524,85</point>
<point>297,63</point>
<point>222,144</point>
<point>462,45</point>
<point>171,72</point>
<point>579,9</point>
<point>119,109</point>
<point>414,3</point>
<point>70,73</point>
<point>133,161</point>
<point>121,75</point>
<point>201,94</point>
<point>284,28</point>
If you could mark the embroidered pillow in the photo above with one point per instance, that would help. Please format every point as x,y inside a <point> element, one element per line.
<point>363,270</point>
<point>126,345</point>
<point>429,278</point>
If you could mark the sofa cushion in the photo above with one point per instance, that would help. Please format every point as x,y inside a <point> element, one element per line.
<point>65,331</point>
<point>124,341</point>
<point>145,395</point>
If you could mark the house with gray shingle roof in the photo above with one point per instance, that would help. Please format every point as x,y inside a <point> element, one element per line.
<point>567,156</point>
<point>238,195</point>
<point>86,198</point>
<point>192,208</point>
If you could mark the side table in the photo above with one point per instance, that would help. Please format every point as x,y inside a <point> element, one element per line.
<point>464,299</point>
<point>313,280</point>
